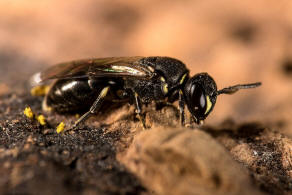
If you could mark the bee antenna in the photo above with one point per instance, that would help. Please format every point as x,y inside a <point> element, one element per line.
<point>235,88</point>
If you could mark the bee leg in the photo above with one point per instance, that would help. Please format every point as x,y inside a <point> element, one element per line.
<point>192,120</point>
<point>139,110</point>
<point>181,104</point>
<point>95,106</point>
<point>196,121</point>
<point>160,105</point>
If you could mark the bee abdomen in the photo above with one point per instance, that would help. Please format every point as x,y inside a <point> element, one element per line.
<point>71,95</point>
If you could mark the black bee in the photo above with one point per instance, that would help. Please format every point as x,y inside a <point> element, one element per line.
<point>138,80</point>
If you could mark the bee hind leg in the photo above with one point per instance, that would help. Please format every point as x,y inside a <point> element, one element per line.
<point>95,106</point>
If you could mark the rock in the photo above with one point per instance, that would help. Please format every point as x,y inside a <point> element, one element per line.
<point>184,161</point>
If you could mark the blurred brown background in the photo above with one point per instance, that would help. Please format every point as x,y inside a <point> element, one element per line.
<point>234,41</point>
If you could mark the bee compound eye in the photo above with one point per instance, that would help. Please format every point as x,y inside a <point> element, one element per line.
<point>198,100</point>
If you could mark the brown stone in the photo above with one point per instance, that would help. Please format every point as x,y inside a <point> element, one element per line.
<point>184,161</point>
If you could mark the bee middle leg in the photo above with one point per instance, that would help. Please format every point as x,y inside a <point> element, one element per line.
<point>139,110</point>
<point>95,106</point>
<point>181,104</point>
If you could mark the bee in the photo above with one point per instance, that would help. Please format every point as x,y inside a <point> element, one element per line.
<point>86,84</point>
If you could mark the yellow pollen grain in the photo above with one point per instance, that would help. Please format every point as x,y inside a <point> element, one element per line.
<point>40,90</point>
<point>60,127</point>
<point>28,113</point>
<point>41,119</point>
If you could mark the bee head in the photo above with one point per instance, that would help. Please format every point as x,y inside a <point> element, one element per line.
<point>200,93</point>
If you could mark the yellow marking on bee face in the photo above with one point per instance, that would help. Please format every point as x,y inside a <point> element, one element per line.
<point>165,88</point>
<point>28,113</point>
<point>209,104</point>
<point>60,127</point>
<point>183,78</point>
<point>162,79</point>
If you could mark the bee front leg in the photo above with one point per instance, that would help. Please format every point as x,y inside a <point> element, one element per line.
<point>181,104</point>
<point>139,110</point>
<point>95,106</point>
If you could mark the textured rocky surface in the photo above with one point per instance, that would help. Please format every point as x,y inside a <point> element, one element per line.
<point>119,156</point>
<point>185,161</point>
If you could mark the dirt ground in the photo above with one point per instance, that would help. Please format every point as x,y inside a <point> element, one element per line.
<point>245,145</point>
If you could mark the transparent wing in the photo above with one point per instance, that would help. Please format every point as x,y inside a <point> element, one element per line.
<point>100,67</point>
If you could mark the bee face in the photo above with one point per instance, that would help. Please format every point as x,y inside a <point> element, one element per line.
<point>200,93</point>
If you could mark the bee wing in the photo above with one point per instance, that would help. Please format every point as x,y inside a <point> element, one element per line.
<point>100,67</point>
